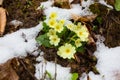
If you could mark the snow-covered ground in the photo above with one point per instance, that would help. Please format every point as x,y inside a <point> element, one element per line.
<point>15,45</point>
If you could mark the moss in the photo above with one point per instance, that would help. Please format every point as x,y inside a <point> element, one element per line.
<point>99,9</point>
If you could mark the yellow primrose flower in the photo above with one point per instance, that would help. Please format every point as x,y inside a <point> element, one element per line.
<point>54,40</point>
<point>78,43</point>
<point>53,15</point>
<point>66,51</point>
<point>51,32</point>
<point>70,26</point>
<point>83,34</point>
<point>62,21</point>
<point>58,28</point>
<point>79,24</point>
<point>77,27</point>
<point>52,23</point>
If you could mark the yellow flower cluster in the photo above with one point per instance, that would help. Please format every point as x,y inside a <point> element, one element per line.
<point>67,50</point>
<point>55,26</point>
<point>81,31</point>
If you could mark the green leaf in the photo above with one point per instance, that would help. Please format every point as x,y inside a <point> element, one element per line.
<point>81,49</point>
<point>63,32</point>
<point>49,75</point>
<point>99,19</point>
<point>43,40</point>
<point>74,76</point>
<point>45,27</point>
<point>117,5</point>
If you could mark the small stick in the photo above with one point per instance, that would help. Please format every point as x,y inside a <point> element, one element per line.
<point>55,67</point>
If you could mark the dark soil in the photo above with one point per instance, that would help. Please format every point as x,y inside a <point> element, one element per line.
<point>112,29</point>
<point>24,11</point>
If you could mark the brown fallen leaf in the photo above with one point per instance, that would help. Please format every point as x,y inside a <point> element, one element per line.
<point>1,1</point>
<point>7,72</point>
<point>91,40</point>
<point>77,2</point>
<point>62,3</point>
<point>88,18</point>
<point>2,20</point>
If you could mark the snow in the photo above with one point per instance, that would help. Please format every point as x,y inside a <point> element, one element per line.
<point>63,73</point>
<point>92,76</point>
<point>14,45</point>
<point>104,3</point>
<point>108,63</point>
<point>66,13</point>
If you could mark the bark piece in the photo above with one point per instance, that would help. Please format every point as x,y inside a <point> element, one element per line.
<point>7,72</point>
<point>62,3</point>
<point>2,20</point>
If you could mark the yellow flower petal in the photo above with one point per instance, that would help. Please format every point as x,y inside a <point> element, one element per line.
<point>78,43</point>
<point>66,51</point>
<point>52,23</point>
<point>62,21</point>
<point>58,28</point>
<point>54,40</point>
<point>53,15</point>
<point>83,33</point>
<point>51,32</point>
<point>71,26</point>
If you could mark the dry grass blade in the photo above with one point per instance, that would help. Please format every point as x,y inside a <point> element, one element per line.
<point>88,78</point>
<point>2,20</point>
<point>7,72</point>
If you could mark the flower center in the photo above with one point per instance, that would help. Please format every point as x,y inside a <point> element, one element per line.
<point>54,39</point>
<point>67,51</point>
<point>80,33</point>
<point>52,23</point>
<point>58,27</point>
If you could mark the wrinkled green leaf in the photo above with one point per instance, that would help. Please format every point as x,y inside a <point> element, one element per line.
<point>43,40</point>
<point>117,5</point>
<point>45,27</point>
<point>74,76</point>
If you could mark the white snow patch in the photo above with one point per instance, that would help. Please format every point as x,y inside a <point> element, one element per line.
<point>66,13</point>
<point>47,4</point>
<point>63,73</point>
<point>105,3</point>
<point>14,45</point>
<point>92,76</point>
<point>108,63</point>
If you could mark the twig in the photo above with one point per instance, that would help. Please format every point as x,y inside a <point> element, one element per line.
<point>27,69</point>
<point>55,67</point>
